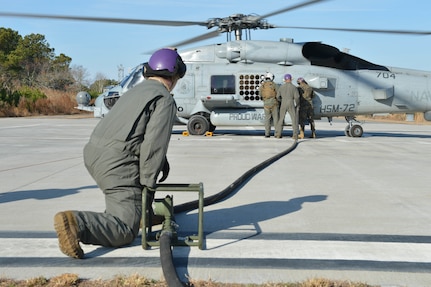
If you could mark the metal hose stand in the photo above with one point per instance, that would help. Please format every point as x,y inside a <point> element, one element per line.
<point>187,206</point>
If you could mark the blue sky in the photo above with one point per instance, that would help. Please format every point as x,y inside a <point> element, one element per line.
<point>103,47</point>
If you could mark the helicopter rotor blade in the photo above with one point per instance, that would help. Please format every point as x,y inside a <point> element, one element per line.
<point>382,31</point>
<point>105,19</point>
<point>202,37</point>
<point>290,8</point>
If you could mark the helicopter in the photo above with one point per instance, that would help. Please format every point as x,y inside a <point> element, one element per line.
<point>221,86</point>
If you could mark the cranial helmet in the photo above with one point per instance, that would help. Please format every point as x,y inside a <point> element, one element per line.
<point>300,80</point>
<point>165,63</point>
<point>288,77</point>
<point>269,76</point>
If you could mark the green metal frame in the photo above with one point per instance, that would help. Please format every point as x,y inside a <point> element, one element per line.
<point>150,237</point>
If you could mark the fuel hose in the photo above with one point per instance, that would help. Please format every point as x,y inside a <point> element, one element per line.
<point>166,258</point>
<point>233,187</point>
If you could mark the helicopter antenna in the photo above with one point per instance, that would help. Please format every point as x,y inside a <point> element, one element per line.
<point>120,72</point>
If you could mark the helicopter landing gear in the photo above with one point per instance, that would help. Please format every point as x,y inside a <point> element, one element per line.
<point>353,130</point>
<point>198,125</point>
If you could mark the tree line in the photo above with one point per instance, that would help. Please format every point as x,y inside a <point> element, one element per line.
<point>31,72</point>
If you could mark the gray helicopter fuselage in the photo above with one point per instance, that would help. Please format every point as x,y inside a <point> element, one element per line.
<point>222,82</point>
<point>348,87</point>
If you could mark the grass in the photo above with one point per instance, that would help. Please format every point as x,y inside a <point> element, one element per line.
<point>73,280</point>
<point>55,103</point>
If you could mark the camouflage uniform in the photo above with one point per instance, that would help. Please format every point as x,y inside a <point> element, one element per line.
<point>306,110</point>
<point>268,91</point>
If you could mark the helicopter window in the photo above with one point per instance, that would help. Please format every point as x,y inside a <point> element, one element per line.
<point>327,56</point>
<point>223,84</point>
<point>136,72</point>
<point>137,77</point>
<point>125,79</point>
<point>111,99</point>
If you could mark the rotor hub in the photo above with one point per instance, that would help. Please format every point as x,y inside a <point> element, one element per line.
<point>237,22</point>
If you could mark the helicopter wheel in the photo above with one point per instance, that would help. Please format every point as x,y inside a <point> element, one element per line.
<point>347,131</point>
<point>198,125</point>
<point>356,131</point>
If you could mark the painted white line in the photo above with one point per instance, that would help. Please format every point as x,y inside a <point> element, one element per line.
<point>15,127</point>
<point>244,249</point>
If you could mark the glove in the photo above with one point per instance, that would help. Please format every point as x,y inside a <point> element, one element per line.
<point>165,170</point>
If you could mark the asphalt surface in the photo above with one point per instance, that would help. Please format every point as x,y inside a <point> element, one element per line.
<point>335,207</point>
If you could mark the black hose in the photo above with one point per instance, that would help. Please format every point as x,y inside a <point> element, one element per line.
<point>166,259</point>
<point>187,206</point>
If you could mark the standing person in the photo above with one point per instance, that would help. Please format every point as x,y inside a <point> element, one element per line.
<point>268,93</point>
<point>306,110</point>
<point>126,152</point>
<point>288,95</point>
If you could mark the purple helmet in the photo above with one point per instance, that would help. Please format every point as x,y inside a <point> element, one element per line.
<point>165,63</point>
<point>288,77</point>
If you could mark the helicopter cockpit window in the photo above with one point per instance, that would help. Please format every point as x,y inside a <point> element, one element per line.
<point>133,78</point>
<point>125,80</point>
<point>223,84</point>
<point>137,77</point>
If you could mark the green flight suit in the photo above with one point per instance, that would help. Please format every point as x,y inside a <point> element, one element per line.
<point>288,96</point>
<point>126,152</point>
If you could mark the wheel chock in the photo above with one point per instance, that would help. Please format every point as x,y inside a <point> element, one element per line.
<point>209,134</point>
<point>186,133</point>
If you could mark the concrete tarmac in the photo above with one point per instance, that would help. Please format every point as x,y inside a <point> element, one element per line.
<point>335,207</point>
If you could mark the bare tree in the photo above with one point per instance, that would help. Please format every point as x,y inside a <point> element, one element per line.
<point>80,75</point>
<point>99,83</point>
